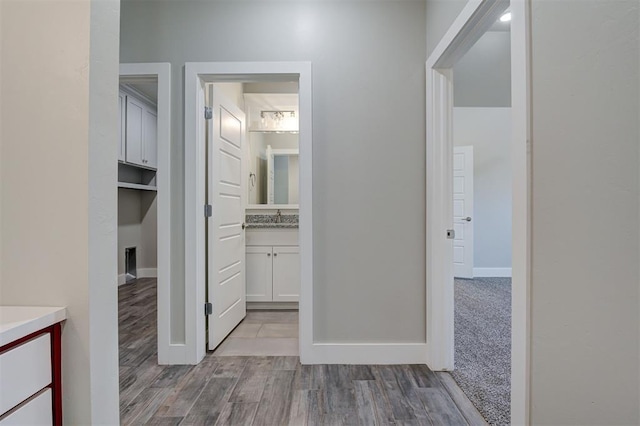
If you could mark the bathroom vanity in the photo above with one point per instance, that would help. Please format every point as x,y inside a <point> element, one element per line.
<point>273,262</point>
<point>272,249</point>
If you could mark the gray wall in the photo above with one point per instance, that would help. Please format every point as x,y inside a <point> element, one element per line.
<point>368,59</point>
<point>440,16</point>
<point>137,227</point>
<point>584,347</point>
<point>488,130</point>
<point>149,229</point>
<point>482,77</point>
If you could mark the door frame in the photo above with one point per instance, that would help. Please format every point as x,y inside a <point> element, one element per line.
<point>168,353</point>
<point>197,74</point>
<point>474,20</point>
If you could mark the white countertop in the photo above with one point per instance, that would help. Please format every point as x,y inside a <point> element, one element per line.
<point>19,321</point>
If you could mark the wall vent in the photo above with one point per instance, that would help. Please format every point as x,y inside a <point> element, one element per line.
<point>130,268</point>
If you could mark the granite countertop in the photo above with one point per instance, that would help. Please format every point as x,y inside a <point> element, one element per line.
<point>19,321</point>
<point>270,221</point>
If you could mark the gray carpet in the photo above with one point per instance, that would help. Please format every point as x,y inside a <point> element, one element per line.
<point>483,345</point>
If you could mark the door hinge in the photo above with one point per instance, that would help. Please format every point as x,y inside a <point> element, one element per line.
<point>208,308</point>
<point>451,234</point>
<point>208,210</point>
<point>208,113</point>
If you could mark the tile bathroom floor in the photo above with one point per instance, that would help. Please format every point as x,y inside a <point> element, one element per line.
<point>263,333</point>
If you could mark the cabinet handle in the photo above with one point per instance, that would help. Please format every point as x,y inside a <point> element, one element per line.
<point>268,254</point>
<point>275,254</point>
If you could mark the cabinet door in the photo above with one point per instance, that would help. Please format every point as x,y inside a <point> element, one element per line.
<point>259,274</point>
<point>35,412</point>
<point>150,144</point>
<point>134,134</point>
<point>286,274</point>
<point>122,108</point>
<point>24,370</point>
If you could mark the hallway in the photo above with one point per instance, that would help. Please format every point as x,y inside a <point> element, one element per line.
<point>262,390</point>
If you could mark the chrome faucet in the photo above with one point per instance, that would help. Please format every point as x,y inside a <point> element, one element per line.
<point>278,216</point>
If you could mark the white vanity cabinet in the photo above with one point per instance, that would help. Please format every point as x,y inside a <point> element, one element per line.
<point>286,274</point>
<point>273,265</point>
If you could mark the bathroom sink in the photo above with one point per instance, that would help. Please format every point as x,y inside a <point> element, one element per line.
<point>271,221</point>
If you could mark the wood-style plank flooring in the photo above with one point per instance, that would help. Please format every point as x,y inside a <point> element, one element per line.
<point>265,391</point>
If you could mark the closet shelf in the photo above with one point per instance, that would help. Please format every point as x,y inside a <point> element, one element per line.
<point>137,186</point>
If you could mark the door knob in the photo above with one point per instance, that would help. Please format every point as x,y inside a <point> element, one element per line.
<point>468,219</point>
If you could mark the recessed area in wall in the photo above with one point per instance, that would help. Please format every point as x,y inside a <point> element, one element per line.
<point>137,168</point>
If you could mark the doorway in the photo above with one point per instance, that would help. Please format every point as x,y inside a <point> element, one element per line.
<point>474,21</point>
<point>197,78</point>
<point>149,183</point>
<point>253,261</point>
<point>482,212</point>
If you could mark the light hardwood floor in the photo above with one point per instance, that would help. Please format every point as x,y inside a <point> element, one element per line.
<point>268,390</point>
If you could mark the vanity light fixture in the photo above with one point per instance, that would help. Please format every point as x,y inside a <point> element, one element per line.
<point>506,17</point>
<point>277,115</point>
<point>278,120</point>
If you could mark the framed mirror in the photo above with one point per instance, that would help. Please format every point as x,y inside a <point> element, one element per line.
<point>273,151</point>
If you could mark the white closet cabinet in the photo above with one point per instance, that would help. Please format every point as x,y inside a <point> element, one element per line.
<point>141,134</point>
<point>150,138</point>
<point>122,108</point>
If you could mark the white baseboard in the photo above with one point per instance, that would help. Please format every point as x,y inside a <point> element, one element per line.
<point>142,273</point>
<point>492,272</point>
<point>367,353</point>
<point>148,273</point>
<point>272,305</point>
<point>174,354</point>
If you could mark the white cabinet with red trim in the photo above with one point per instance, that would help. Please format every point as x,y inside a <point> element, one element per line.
<point>31,365</point>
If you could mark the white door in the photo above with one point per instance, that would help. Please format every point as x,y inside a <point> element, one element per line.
<point>225,233</point>
<point>463,211</point>
<point>286,274</point>
<point>259,273</point>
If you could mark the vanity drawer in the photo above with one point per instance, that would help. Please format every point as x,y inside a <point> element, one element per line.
<point>272,237</point>
<point>26,369</point>
<point>35,412</point>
